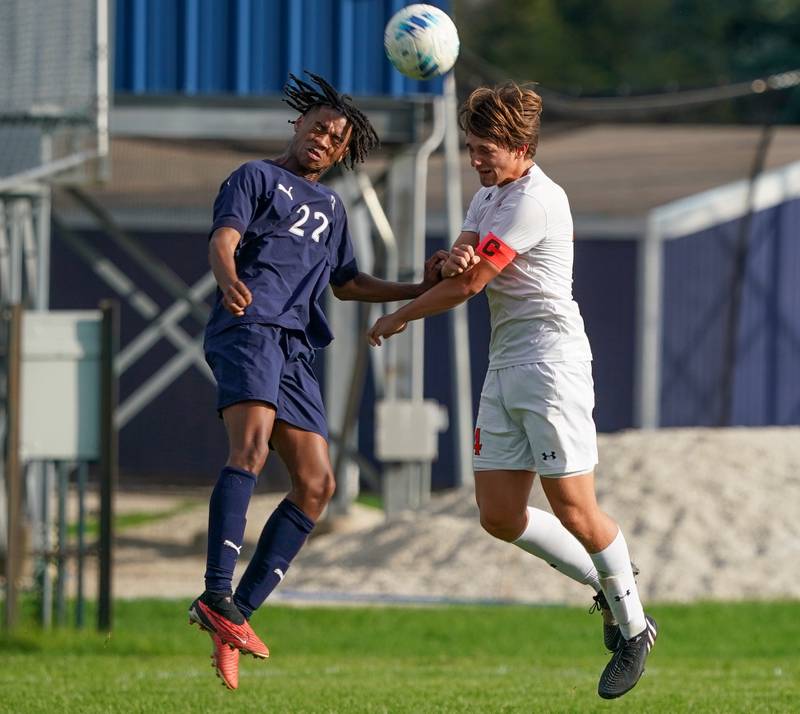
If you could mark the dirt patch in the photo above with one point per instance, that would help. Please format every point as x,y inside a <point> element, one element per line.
<point>708,514</point>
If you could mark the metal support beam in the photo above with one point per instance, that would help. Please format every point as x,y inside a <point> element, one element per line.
<point>15,234</point>
<point>80,609</point>
<point>13,468</point>
<point>458,320</point>
<point>407,484</point>
<point>41,474</point>
<point>243,118</point>
<point>348,356</point>
<point>30,252</point>
<point>42,208</point>
<point>165,325</point>
<point>108,463</point>
<point>5,255</point>
<point>158,382</point>
<point>141,303</point>
<point>62,475</point>
<point>172,283</point>
<point>649,328</point>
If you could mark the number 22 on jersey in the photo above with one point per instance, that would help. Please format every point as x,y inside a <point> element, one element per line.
<point>304,211</point>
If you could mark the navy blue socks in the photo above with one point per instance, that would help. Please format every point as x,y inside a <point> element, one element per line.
<point>226,520</point>
<point>283,536</point>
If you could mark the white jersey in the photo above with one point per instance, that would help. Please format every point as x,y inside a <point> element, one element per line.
<point>534,318</point>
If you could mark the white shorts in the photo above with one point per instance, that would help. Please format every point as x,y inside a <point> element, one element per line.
<point>537,417</point>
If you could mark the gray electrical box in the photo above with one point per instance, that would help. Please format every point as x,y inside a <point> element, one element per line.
<point>408,430</point>
<point>60,403</point>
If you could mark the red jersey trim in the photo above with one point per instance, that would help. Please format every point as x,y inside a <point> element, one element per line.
<point>493,249</point>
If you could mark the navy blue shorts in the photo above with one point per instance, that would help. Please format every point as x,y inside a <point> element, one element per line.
<point>268,364</point>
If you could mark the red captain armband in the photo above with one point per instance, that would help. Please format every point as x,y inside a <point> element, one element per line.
<point>491,248</point>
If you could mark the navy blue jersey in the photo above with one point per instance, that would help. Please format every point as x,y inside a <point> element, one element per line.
<point>294,242</point>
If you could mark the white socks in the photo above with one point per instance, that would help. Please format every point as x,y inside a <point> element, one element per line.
<point>613,565</point>
<point>610,569</point>
<point>546,538</point>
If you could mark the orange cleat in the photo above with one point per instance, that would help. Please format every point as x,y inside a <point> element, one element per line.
<point>225,661</point>
<point>216,613</point>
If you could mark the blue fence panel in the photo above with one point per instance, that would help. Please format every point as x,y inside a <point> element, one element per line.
<point>698,298</point>
<point>697,272</point>
<point>247,47</point>
<point>179,436</point>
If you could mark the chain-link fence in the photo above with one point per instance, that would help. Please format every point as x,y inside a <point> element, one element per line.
<point>53,87</point>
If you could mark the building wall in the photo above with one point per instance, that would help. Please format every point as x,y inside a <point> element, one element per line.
<point>247,47</point>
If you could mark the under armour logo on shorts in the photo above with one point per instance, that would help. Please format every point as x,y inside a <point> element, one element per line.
<point>546,456</point>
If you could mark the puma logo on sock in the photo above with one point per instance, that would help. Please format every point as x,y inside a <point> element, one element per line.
<point>237,548</point>
<point>279,573</point>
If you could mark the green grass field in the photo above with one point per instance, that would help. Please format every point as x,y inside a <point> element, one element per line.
<point>709,658</point>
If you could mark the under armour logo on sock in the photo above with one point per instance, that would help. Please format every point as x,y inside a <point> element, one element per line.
<point>546,456</point>
<point>618,598</point>
<point>279,573</point>
<point>237,548</point>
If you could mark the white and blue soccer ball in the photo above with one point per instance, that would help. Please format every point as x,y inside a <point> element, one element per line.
<point>421,41</point>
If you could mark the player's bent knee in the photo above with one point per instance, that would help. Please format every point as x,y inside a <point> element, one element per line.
<point>315,489</point>
<point>576,522</point>
<point>250,458</point>
<point>326,488</point>
<point>503,528</point>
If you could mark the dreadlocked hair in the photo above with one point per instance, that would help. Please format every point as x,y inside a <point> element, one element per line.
<point>302,97</point>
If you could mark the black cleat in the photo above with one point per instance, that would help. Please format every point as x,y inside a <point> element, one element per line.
<point>612,637</point>
<point>627,663</point>
<point>222,604</point>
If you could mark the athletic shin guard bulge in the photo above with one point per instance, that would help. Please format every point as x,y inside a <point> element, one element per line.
<point>546,538</point>
<point>227,509</point>
<point>284,534</point>
<point>613,565</point>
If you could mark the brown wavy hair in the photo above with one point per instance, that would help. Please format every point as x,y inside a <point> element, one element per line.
<point>508,115</point>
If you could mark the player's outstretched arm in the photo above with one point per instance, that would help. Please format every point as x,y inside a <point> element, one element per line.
<point>440,298</point>
<point>368,288</point>
<point>235,294</point>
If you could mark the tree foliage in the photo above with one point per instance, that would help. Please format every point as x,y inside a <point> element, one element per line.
<point>587,47</point>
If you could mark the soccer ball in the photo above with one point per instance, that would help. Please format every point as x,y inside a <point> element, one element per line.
<point>421,41</point>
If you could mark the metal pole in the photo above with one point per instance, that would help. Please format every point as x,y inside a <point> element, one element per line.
<point>15,252</point>
<point>389,271</point>
<point>417,328</point>
<point>5,252</point>
<point>649,318</point>
<point>50,169</point>
<point>108,461</point>
<point>79,599</point>
<point>62,469</point>
<point>46,582</point>
<point>42,207</point>
<point>12,471</point>
<point>102,86</point>
<point>458,318</point>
